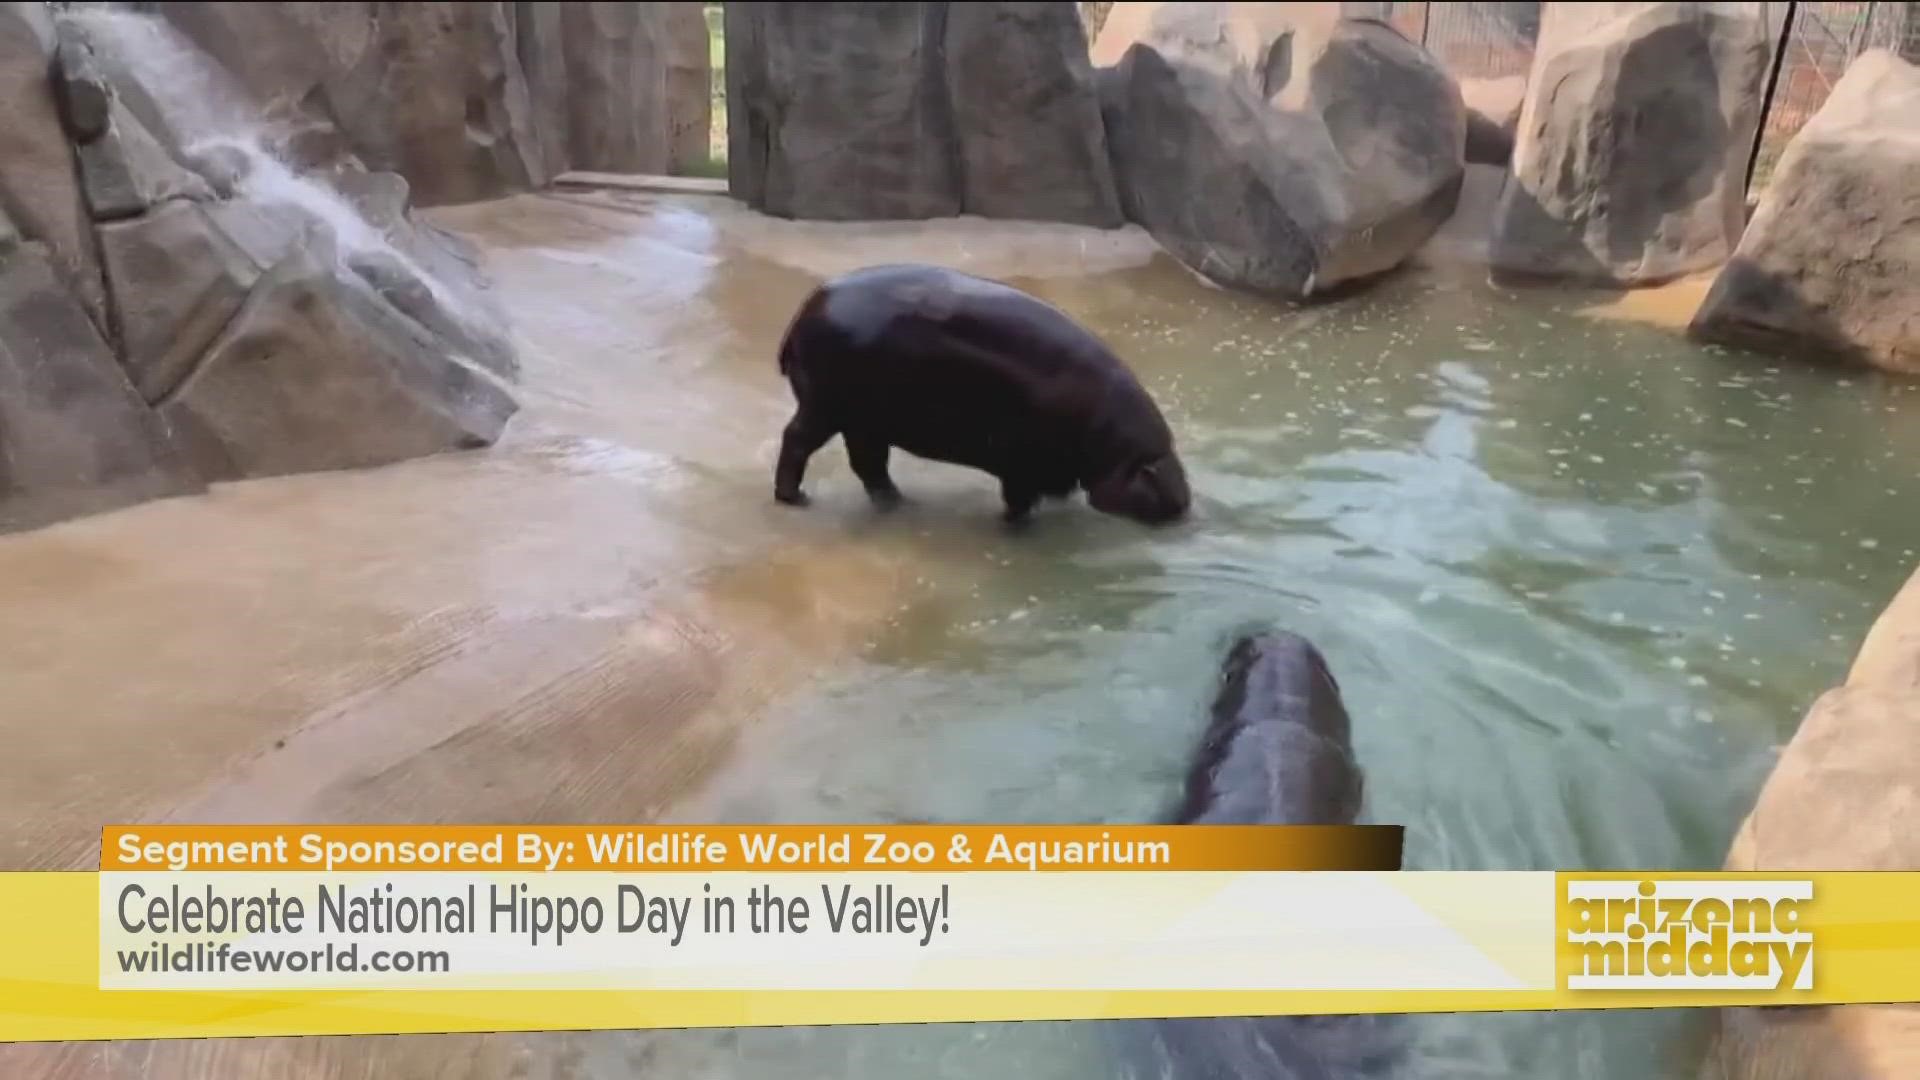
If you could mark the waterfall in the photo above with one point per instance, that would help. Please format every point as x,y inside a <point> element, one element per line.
<point>203,110</point>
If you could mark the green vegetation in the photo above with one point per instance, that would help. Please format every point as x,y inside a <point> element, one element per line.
<point>716,163</point>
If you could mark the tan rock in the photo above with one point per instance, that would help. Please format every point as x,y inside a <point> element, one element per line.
<point>1829,264</point>
<point>1237,141</point>
<point>1630,159</point>
<point>1890,656</point>
<point>1844,796</point>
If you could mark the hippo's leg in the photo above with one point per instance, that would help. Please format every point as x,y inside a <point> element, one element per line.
<point>805,434</point>
<point>869,458</point>
<point>1020,498</point>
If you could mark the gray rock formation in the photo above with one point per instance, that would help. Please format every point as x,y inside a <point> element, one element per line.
<point>543,64</point>
<point>39,182</point>
<point>439,98</point>
<point>689,102</point>
<point>267,207</point>
<point>616,88</point>
<point>74,437</point>
<point>126,171</point>
<point>1830,263</point>
<point>316,372</point>
<point>837,111</point>
<point>468,100</point>
<point>179,280</point>
<point>915,110</point>
<point>1026,115</point>
<point>245,320</point>
<point>1631,157</point>
<point>1279,148</point>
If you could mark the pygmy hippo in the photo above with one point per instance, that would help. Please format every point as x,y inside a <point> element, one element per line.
<point>955,368</point>
<point>1277,751</point>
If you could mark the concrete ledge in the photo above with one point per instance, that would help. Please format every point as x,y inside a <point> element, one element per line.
<point>679,185</point>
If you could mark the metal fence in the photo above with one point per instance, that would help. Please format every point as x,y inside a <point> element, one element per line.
<point>1472,40</point>
<point>1820,40</point>
<point>1813,44</point>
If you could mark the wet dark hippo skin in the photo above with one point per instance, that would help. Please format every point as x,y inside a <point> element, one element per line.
<point>1277,751</point>
<point>959,369</point>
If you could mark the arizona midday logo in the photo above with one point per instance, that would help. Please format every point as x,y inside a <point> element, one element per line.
<point>1727,934</point>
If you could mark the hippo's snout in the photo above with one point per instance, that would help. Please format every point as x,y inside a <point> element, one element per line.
<point>1154,492</point>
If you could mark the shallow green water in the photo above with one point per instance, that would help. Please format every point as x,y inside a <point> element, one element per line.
<point>1578,579</point>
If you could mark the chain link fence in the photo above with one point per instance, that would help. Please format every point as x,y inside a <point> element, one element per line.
<point>1472,40</point>
<point>1815,43</point>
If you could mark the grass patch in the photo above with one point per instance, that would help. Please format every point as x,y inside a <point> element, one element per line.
<point>709,167</point>
<point>716,163</point>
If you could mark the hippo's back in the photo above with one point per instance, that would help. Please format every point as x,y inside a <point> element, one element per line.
<point>958,368</point>
<point>1278,749</point>
<point>913,314</point>
<point>1277,752</point>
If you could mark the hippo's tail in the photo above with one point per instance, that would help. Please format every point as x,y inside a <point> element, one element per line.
<point>786,355</point>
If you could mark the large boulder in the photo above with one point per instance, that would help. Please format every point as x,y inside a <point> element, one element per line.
<point>317,372</point>
<point>837,111</point>
<point>1279,148</point>
<point>915,110</point>
<point>39,183</point>
<point>1026,114</point>
<point>74,436</point>
<point>540,42</point>
<point>1830,263</point>
<point>263,319</point>
<point>1631,157</point>
<point>1844,796</point>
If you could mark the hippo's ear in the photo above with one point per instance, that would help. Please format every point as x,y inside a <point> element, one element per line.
<point>1153,491</point>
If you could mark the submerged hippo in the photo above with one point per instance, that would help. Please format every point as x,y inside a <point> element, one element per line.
<point>1277,751</point>
<point>955,368</point>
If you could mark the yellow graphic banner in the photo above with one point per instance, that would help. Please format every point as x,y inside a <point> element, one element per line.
<point>182,934</point>
<point>713,848</point>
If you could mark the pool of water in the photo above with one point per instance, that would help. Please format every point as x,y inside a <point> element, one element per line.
<point>1578,578</point>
